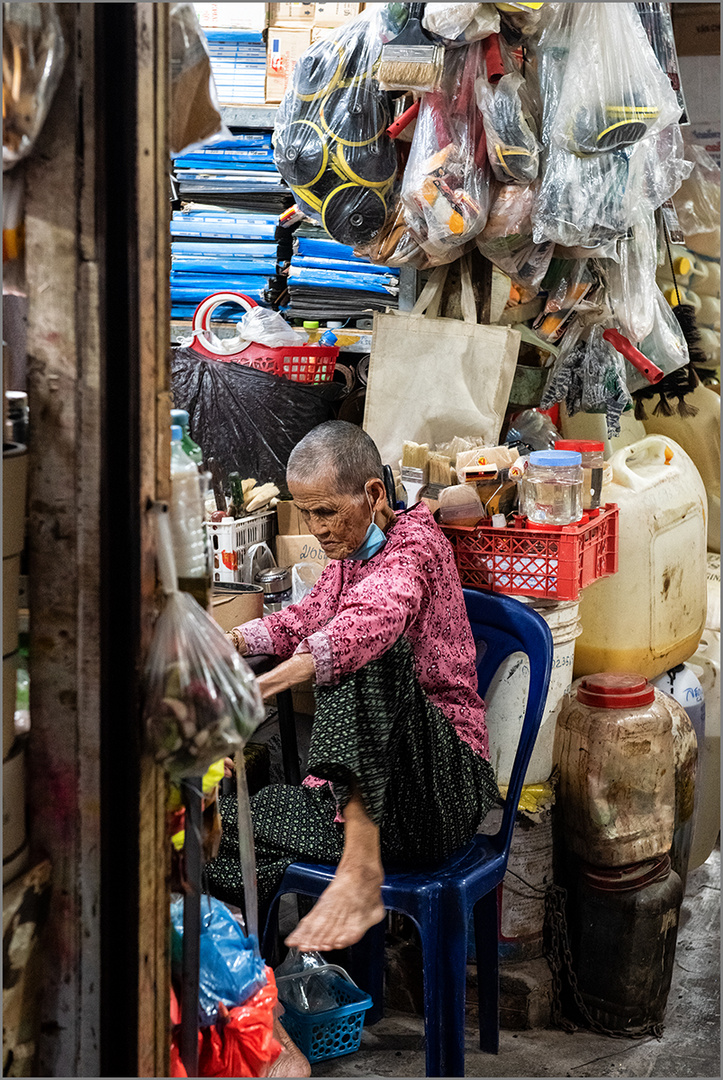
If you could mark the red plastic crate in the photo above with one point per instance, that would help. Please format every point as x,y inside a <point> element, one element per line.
<point>545,563</point>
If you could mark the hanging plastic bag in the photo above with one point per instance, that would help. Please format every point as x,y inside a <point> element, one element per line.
<point>569,285</point>
<point>304,577</point>
<point>506,239</point>
<point>195,117</point>
<point>657,169</point>
<point>630,283</point>
<point>202,700</point>
<point>34,52</point>
<point>330,141</point>
<point>507,110</point>
<point>445,189</point>
<point>519,20</point>
<point>665,345</point>
<point>697,201</point>
<point>614,92</point>
<point>458,24</point>
<point>231,968</point>
<point>589,375</point>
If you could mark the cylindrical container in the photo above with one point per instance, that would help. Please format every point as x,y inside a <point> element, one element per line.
<point>710,344</point>
<point>712,616</point>
<point>707,276</point>
<point>522,903</point>
<point>15,850</point>
<point>709,312</point>
<point>685,756</point>
<point>187,510</point>
<point>551,488</point>
<point>10,667</point>
<point>593,459</point>
<point>506,698</point>
<point>706,819</point>
<point>699,436</point>
<point>624,928</point>
<point>614,749</point>
<point>276,583</point>
<point>233,605</point>
<point>180,418</point>
<point>650,615</point>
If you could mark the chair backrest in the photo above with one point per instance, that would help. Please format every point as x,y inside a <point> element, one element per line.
<point>506,626</point>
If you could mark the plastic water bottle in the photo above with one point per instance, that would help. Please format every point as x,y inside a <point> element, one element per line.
<point>328,338</point>
<point>189,543</point>
<point>194,451</point>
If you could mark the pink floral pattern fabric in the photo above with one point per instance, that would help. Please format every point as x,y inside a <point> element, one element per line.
<point>358,610</point>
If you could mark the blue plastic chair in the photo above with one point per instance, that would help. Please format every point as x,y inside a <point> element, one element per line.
<point>441,900</point>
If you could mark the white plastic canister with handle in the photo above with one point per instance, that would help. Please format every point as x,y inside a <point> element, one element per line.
<point>650,615</point>
<point>506,698</point>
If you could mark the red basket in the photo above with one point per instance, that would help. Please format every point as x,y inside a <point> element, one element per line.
<point>547,563</point>
<point>303,363</point>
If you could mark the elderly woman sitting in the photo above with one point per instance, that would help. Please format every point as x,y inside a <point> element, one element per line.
<point>399,753</point>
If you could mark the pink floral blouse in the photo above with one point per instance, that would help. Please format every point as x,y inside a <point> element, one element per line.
<point>358,610</point>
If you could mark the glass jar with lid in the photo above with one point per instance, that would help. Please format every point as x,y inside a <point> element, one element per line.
<point>593,460</point>
<point>551,487</point>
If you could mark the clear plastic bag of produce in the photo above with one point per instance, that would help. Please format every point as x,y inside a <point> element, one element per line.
<point>613,92</point>
<point>506,239</point>
<point>630,282</point>
<point>202,700</point>
<point>34,52</point>
<point>231,970</point>
<point>697,201</point>
<point>330,141</point>
<point>195,118</point>
<point>508,114</point>
<point>458,24</point>
<point>590,376</point>
<point>445,189</point>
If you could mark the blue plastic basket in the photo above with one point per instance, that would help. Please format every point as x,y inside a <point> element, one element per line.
<point>332,1033</point>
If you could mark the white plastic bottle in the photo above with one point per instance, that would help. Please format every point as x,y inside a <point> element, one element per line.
<point>186,512</point>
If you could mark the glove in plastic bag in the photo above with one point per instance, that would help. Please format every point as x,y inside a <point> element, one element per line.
<point>247,420</point>
<point>445,189</point>
<point>589,374</point>
<point>613,91</point>
<point>458,24</point>
<point>507,111</point>
<point>195,116</point>
<point>202,699</point>
<point>330,140</point>
<point>630,283</point>
<point>506,239</point>
<point>231,968</point>
<point>34,52</point>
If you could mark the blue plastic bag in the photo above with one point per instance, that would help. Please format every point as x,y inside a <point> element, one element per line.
<point>231,968</point>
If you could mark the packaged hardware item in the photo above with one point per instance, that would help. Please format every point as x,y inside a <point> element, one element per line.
<point>34,52</point>
<point>630,281</point>
<point>507,110</point>
<point>458,24</point>
<point>195,117</point>
<point>506,239</point>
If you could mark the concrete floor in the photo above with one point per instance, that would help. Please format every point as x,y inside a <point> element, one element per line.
<point>690,1045</point>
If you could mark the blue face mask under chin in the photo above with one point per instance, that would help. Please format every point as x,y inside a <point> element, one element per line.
<point>372,543</point>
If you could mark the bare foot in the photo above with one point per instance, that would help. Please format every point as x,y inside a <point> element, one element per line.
<point>291,1061</point>
<point>348,907</point>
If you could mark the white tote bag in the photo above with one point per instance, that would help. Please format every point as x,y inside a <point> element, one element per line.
<point>431,379</point>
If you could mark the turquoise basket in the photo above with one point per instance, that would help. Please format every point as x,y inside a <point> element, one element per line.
<point>334,1032</point>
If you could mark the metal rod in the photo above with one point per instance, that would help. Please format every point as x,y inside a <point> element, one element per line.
<point>190,970</point>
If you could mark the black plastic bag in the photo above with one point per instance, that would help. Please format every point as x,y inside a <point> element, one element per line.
<point>247,420</point>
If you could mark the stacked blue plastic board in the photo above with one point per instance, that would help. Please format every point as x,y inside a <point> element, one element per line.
<point>326,279</point>
<point>238,172</point>
<point>238,62</point>
<point>214,249</point>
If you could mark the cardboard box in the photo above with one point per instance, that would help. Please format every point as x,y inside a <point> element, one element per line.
<point>335,14</point>
<point>231,609</point>
<point>697,30</point>
<point>289,521</point>
<point>230,16</point>
<point>283,49</point>
<point>291,14</point>
<point>322,33</point>
<point>296,549</point>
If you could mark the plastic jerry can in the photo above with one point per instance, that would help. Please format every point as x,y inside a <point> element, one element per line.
<point>593,426</point>
<point>699,436</point>
<point>614,749</point>
<point>706,819</point>
<point>650,615</point>
<point>624,928</point>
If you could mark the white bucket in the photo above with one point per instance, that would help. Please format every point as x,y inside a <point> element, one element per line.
<point>506,698</point>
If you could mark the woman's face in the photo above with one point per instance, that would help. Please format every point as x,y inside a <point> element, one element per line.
<point>338,522</point>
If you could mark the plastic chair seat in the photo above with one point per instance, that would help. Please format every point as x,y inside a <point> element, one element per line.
<point>442,899</point>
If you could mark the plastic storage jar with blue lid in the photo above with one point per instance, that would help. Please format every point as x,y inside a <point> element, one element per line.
<point>551,488</point>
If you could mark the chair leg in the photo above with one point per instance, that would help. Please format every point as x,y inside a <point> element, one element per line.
<point>270,933</point>
<point>488,976</point>
<point>444,956</point>
<point>367,970</point>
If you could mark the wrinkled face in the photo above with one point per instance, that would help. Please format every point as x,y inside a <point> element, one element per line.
<point>339,522</point>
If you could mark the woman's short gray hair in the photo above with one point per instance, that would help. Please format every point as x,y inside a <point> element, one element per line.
<point>340,450</point>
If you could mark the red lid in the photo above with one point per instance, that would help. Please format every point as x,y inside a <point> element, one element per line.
<point>539,526</point>
<point>615,690</point>
<point>583,446</point>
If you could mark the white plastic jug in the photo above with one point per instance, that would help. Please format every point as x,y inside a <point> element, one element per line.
<point>699,436</point>
<point>710,344</point>
<point>593,426</point>
<point>506,698</point>
<point>712,617</point>
<point>706,820</point>
<point>650,615</point>
<point>706,276</point>
<point>707,244</point>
